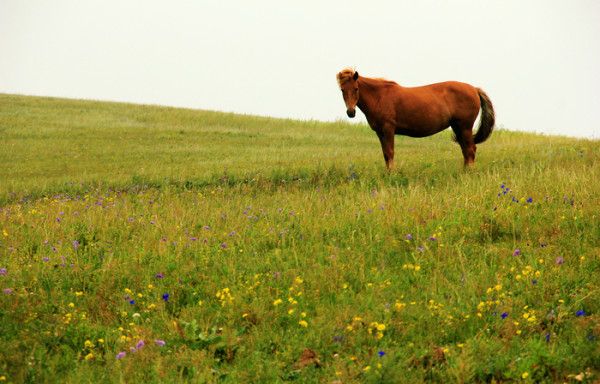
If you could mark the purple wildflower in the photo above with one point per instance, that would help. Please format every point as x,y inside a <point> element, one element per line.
<point>120,355</point>
<point>160,343</point>
<point>140,344</point>
<point>3,271</point>
<point>432,238</point>
<point>75,244</point>
<point>46,259</point>
<point>206,228</point>
<point>381,353</point>
<point>159,275</point>
<point>409,237</point>
<point>517,252</point>
<point>223,245</point>
<point>504,315</point>
<point>580,313</point>
<point>193,238</point>
<point>7,291</point>
<point>559,260</point>
<point>165,296</point>
<point>530,200</point>
<point>547,337</point>
<point>132,302</point>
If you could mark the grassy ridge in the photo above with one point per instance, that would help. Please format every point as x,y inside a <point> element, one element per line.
<point>266,250</point>
<point>52,145</point>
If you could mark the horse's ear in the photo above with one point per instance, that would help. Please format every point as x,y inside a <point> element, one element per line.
<point>355,77</point>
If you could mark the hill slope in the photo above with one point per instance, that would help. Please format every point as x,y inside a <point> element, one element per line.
<point>56,144</point>
<point>161,244</point>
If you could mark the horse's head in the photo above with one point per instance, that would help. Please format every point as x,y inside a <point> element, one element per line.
<point>348,82</point>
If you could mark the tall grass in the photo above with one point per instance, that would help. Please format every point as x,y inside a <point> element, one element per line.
<point>166,245</point>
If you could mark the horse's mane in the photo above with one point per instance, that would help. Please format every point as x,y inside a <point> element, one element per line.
<point>345,75</point>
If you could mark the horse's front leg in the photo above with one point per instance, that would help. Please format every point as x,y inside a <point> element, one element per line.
<point>386,138</point>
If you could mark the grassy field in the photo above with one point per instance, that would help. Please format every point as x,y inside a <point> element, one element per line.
<point>143,243</point>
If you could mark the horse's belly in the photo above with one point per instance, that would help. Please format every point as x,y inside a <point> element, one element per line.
<point>421,130</point>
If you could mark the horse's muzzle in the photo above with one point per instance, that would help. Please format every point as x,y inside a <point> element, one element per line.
<point>351,112</point>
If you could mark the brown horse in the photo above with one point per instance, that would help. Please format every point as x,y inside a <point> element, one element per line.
<point>418,112</point>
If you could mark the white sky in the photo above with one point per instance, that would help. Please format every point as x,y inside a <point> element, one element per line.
<point>539,61</point>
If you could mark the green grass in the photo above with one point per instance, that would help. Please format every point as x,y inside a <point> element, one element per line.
<point>274,237</point>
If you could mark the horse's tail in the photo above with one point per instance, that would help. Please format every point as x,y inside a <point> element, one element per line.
<point>486,125</point>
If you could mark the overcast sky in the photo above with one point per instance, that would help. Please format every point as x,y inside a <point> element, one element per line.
<point>539,61</point>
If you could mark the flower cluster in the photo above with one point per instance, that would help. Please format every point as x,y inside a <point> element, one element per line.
<point>224,296</point>
<point>376,329</point>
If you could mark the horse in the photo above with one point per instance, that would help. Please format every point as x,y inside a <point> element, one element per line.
<point>422,111</point>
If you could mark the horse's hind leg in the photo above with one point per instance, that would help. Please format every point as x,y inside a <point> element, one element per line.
<point>464,137</point>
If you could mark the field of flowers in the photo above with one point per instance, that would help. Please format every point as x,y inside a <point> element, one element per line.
<point>152,244</point>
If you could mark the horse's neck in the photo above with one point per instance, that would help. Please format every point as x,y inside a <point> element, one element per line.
<point>370,93</point>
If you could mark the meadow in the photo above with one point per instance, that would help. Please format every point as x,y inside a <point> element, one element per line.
<point>153,244</point>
